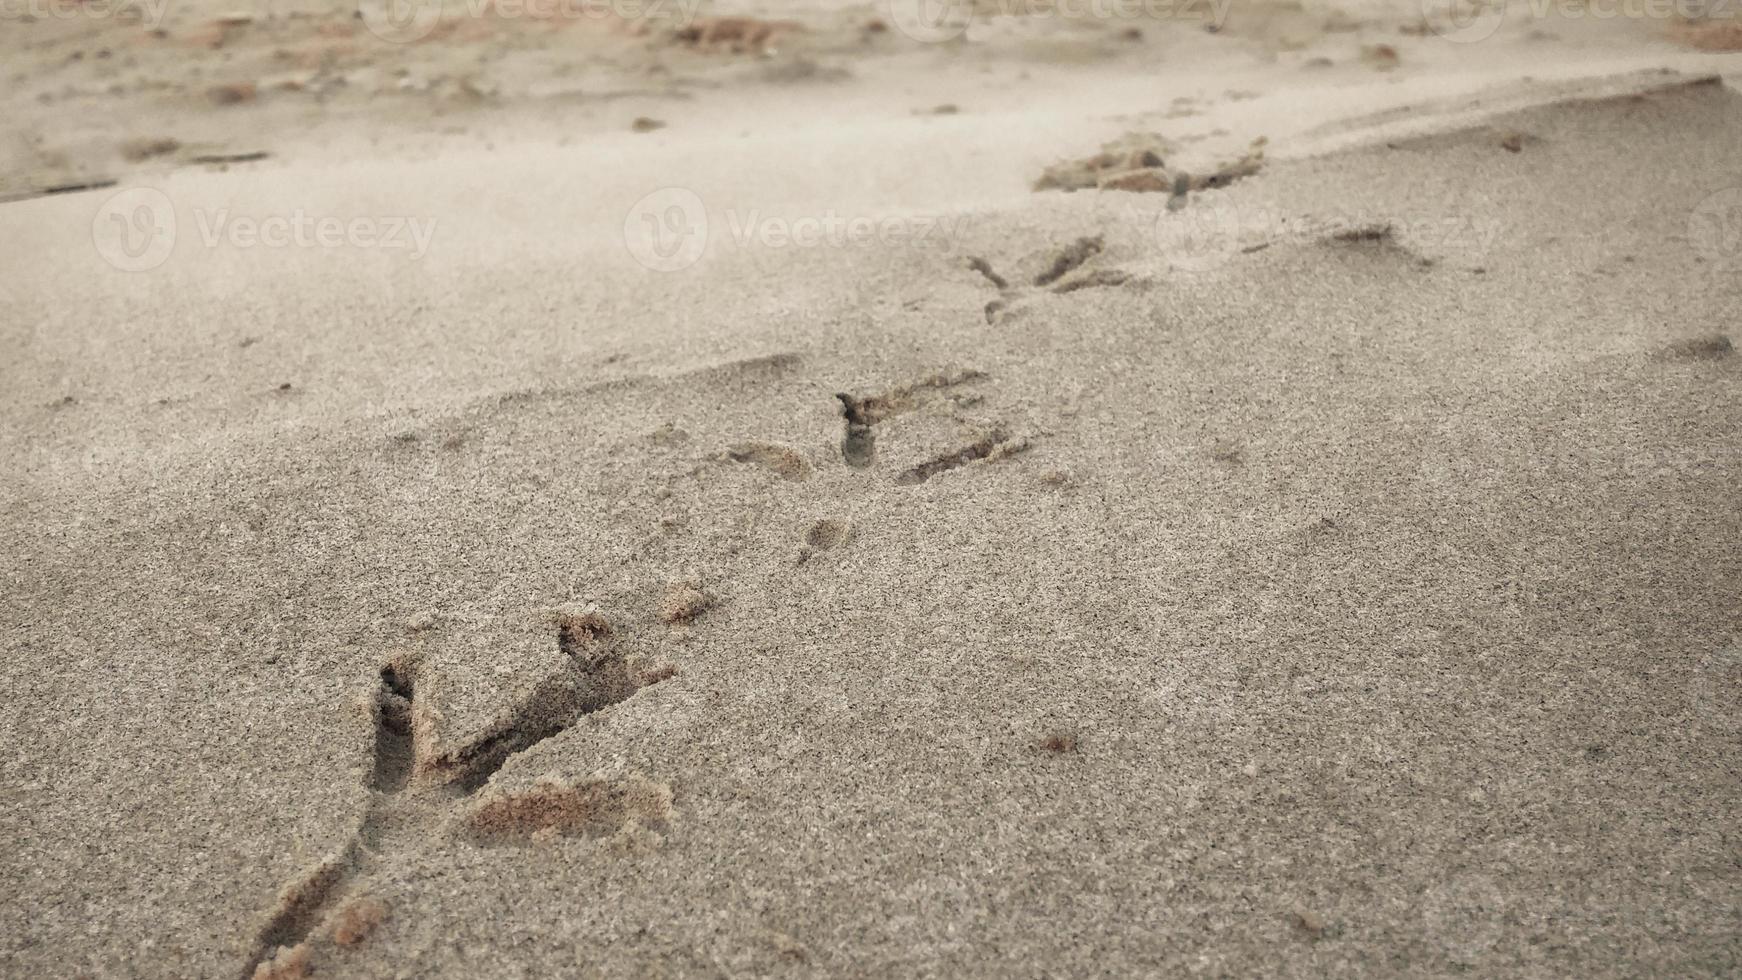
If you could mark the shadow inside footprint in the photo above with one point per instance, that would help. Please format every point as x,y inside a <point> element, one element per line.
<point>859,444</point>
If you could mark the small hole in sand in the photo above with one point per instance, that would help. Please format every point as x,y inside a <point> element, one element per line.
<point>595,808</point>
<point>577,630</point>
<point>826,534</point>
<point>1710,347</point>
<point>1059,743</point>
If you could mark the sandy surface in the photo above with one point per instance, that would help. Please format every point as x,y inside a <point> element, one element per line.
<point>615,567</point>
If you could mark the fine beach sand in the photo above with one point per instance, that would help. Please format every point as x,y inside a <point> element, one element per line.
<point>1333,570</point>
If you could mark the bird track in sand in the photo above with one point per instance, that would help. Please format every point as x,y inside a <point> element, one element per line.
<point>1067,269</point>
<point>413,799</point>
<point>418,792</point>
<point>861,414</point>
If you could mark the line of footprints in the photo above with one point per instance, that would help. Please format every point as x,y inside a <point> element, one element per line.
<point>423,790</point>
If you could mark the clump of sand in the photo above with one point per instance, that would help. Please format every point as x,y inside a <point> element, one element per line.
<point>1134,163</point>
<point>683,602</point>
<point>358,919</point>
<point>1118,160</point>
<point>1058,743</point>
<point>288,963</point>
<point>1709,35</point>
<point>783,461</point>
<point>735,35</point>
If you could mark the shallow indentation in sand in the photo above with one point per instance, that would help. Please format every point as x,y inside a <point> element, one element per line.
<point>861,413</point>
<point>593,808</point>
<point>600,675</point>
<point>994,444</point>
<point>279,951</point>
<point>826,534</point>
<point>783,461</point>
<point>1067,259</point>
<point>1707,347</point>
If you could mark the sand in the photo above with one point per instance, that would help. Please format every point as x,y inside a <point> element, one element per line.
<point>1328,571</point>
